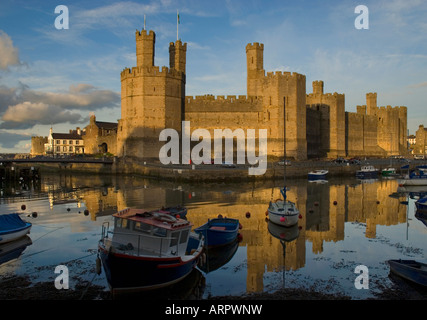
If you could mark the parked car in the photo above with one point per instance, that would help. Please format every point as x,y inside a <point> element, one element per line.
<point>340,160</point>
<point>228,165</point>
<point>284,162</point>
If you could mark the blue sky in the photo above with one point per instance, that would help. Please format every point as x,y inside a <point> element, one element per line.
<point>51,77</point>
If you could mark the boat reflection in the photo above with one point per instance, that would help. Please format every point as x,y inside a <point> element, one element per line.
<point>13,250</point>
<point>191,287</point>
<point>218,257</point>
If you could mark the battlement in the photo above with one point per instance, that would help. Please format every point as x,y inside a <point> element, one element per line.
<point>212,104</point>
<point>153,71</point>
<point>284,74</point>
<point>328,95</point>
<point>255,45</point>
<point>223,99</point>
<point>144,35</point>
<point>178,45</point>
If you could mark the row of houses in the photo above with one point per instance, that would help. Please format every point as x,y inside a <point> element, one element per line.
<point>97,137</point>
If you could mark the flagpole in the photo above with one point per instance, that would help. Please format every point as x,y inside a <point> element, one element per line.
<point>177,22</point>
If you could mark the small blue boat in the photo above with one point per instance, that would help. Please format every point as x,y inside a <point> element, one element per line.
<point>219,231</point>
<point>317,174</point>
<point>12,227</point>
<point>410,270</point>
<point>421,204</point>
<point>367,172</point>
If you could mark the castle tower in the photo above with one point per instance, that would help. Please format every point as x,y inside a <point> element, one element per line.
<point>371,103</point>
<point>152,99</point>
<point>177,55</point>
<point>317,87</point>
<point>145,44</point>
<point>255,68</point>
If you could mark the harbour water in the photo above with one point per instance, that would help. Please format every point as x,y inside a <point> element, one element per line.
<point>345,223</point>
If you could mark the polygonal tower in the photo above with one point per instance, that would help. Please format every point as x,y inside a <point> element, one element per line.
<point>152,99</point>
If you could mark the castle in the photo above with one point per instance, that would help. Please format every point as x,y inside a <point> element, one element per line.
<point>317,124</point>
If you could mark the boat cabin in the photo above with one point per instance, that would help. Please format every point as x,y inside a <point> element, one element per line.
<point>144,233</point>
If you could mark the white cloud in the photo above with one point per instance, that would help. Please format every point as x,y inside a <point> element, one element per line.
<point>28,114</point>
<point>8,53</point>
<point>23,108</point>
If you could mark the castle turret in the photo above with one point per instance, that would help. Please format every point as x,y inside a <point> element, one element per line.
<point>318,87</point>
<point>145,44</point>
<point>177,55</point>
<point>371,103</point>
<point>255,68</point>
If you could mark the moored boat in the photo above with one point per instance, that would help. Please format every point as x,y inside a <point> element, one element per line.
<point>410,270</point>
<point>367,172</point>
<point>317,174</point>
<point>283,212</point>
<point>148,250</point>
<point>414,178</point>
<point>388,172</point>
<point>12,227</point>
<point>219,231</point>
<point>421,204</point>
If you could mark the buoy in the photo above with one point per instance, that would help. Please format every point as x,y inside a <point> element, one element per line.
<point>239,237</point>
<point>266,213</point>
<point>300,216</point>
<point>68,209</point>
<point>23,207</point>
<point>86,212</point>
<point>178,216</point>
<point>282,219</point>
<point>240,226</point>
<point>34,214</point>
<point>248,214</point>
<point>98,266</point>
<point>335,203</point>
<point>378,202</point>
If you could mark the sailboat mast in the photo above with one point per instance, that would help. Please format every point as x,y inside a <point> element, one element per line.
<point>284,141</point>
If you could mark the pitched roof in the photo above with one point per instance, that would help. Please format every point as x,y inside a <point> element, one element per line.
<point>106,125</point>
<point>73,136</point>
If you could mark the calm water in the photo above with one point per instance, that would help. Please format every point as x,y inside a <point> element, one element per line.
<point>345,223</point>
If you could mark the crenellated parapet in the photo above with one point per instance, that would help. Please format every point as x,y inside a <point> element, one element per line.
<point>232,103</point>
<point>148,71</point>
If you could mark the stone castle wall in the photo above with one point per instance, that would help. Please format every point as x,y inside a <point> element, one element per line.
<point>37,145</point>
<point>315,124</point>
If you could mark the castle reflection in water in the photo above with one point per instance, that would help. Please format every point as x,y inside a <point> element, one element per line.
<point>325,208</point>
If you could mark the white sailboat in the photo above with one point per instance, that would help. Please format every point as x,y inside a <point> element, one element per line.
<point>282,211</point>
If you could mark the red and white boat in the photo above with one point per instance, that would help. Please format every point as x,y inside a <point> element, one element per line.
<point>148,250</point>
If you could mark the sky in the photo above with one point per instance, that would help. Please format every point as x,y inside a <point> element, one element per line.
<point>53,77</point>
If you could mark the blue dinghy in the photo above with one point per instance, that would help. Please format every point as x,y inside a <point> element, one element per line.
<point>12,227</point>
<point>219,231</point>
<point>410,270</point>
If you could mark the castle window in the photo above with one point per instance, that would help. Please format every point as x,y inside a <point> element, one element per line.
<point>64,141</point>
<point>58,149</point>
<point>77,141</point>
<point>70,149</point>
<point>71,142</point>
<point>57,142</point>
